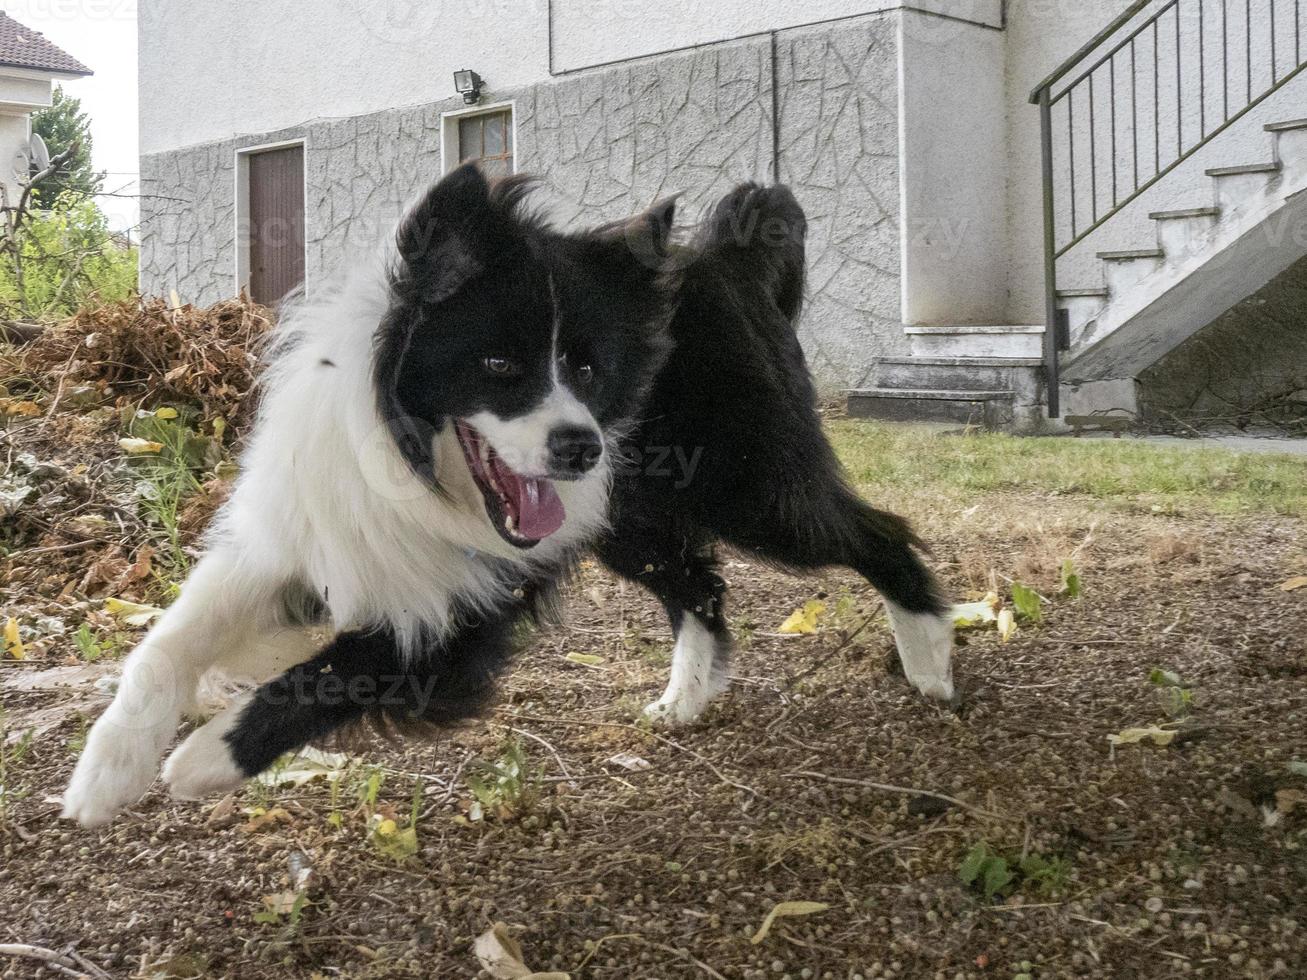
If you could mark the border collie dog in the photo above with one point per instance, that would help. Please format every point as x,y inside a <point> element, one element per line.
<point>442,436</point>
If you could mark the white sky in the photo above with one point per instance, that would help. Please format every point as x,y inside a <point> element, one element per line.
<point>101,34</point>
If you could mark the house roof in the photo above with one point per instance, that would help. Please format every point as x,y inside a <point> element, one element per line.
<point>22,47</point>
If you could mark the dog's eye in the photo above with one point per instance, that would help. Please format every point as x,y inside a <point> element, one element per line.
<point>585,374</point>
<point>502,367</point>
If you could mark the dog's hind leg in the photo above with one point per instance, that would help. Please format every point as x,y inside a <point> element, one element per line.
<point>838,528</point>
<point>219,604</point>
<point>360,674</point>
<point>682,573</point>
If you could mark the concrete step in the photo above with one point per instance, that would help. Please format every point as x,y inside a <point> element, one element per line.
<point>1021,375</point>
<point>1124,269</point>
<point>1237,186</point>
<point>1082,307</point>
<point>987,409</point>
<point>1291,146</point>
<point>976,341</point>
<point>1185,231</point>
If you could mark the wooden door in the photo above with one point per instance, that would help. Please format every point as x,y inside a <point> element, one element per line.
<point>276,223</point>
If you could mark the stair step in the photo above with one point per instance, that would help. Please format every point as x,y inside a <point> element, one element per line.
<point>1129,255</point>
<point>976,341</point>
<point>1186,213</point>
<point>1000,362</point>
<point>1098,292</point>
<point>991,409</point>
<point>930,394</point>
<point>1286,126</point>
<point>973,331</point>
<point>1250,168</point>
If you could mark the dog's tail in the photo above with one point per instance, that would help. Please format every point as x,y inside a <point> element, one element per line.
<point>761,231</point>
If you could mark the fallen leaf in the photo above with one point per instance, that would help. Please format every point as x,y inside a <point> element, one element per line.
<point>281,903</point>
<point>584,659</point>
<point>308,765</point>
<point>11,407</point>
<point>500,955</point>
<point>786,909</point>
<point>166,414</point>
<point>1298,768</point>
<point>398,845</point>
<point>1287,800</point>
<point>1028,602</point>
<point>132,613</point>
<point>136,447</point>
<point>803,621</point>
<point>13,642</point>
<point>1132,736</point>
<point>260,819</point>
<point>1294,584</point>
<point>627,761</point>
<point>1007,625</point>
<point>971,614</point>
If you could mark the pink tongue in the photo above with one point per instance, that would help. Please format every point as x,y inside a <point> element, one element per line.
<point>539,511</point>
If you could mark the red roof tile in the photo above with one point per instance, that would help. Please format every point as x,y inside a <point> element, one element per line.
<point>22,47</point>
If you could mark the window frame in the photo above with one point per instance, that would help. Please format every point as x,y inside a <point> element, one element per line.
<point>450,140</point>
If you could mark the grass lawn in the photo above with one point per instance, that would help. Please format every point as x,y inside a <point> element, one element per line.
<point>1123,472</point>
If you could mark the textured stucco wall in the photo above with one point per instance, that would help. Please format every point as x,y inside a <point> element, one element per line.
<point>609,143</point>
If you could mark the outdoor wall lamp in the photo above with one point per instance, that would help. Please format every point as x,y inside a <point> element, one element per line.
<point>467,83</point>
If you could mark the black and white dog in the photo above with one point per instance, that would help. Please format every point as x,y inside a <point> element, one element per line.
<point>442,436</point>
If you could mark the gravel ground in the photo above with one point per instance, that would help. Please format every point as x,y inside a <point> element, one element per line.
<point>622,852</point>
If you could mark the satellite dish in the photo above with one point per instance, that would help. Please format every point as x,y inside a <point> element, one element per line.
<point>38,153</point>
<point>22,165</point>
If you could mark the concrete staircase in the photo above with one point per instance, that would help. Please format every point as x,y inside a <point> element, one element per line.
<point>1205,259</point>
<point>987,377</point>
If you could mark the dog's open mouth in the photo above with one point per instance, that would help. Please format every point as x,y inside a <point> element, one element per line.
<point>524,509</point>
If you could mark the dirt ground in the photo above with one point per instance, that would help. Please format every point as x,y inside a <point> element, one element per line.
<point>612,850</point>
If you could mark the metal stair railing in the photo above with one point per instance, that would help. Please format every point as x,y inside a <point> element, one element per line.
<point>1139,138</point>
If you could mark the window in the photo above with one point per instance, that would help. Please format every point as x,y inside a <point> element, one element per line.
<point>487,138</point>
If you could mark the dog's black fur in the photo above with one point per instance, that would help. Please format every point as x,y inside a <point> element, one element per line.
<point>734,393</point>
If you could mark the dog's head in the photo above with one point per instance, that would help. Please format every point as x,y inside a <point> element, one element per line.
<point>512,354</point>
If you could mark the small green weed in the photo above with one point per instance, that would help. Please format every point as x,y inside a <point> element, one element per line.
<point>506,787</point>
<point>997,875</point>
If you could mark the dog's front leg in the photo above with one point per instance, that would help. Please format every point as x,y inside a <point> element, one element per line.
<point>217,606</point>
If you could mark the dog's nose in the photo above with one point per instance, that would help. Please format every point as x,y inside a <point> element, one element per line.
<point>573,451</point>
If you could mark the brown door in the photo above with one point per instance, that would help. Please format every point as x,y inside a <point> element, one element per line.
<point>276,223</point>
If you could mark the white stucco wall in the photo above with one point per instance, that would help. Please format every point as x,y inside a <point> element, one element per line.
<point>210,71</point>
<point>591,32</point>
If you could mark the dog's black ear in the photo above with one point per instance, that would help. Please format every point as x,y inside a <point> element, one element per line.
<point>438,240</point>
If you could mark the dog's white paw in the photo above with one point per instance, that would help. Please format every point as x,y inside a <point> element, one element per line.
<point>203,765</point>
<point>925,643</point>
<point>676,712</point>
<point>115,770</point>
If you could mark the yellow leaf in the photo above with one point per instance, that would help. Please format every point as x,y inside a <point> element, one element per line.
<point>132,613</point>
<point>12,407</point>
<point>166,413</point>
<point>13,642</point>
<point>1294,584</point>
<point>387,828</point>
<point>973,614</point>
<point>138,446</point>
<point>1007,625</point>
<point>584,659</point>
<point>803,620</point>
<point>1132,736</point>
<point>786,909</point>
<point>260,819</point>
